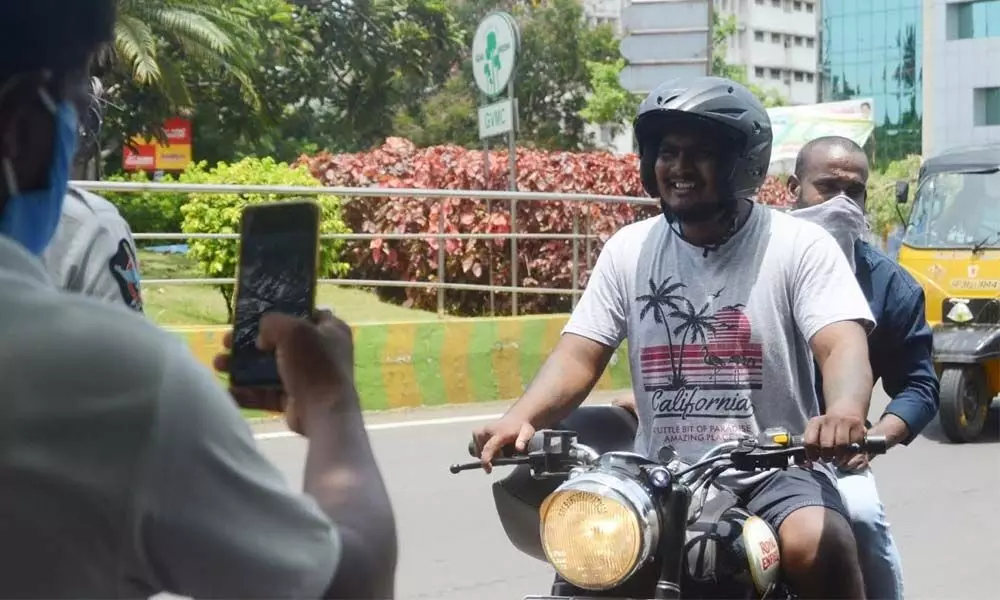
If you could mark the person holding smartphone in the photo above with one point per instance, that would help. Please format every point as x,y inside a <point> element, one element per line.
<point>126,469</point>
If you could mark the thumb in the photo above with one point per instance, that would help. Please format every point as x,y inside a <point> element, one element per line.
<point>323,316</point>
<point>275,328</point>
<point>523,437</point>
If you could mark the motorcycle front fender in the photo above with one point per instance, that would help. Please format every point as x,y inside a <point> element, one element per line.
<point>966,344</point>
<point>519,496</point>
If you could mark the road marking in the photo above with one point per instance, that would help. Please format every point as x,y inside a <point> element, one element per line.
<point>276,435</point>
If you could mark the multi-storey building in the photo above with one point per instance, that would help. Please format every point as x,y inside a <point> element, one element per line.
<point>875,49</point>
<point>777,41</point>
<point>961,73</point>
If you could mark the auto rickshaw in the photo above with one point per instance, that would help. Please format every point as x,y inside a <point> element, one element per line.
<point>951,246</point>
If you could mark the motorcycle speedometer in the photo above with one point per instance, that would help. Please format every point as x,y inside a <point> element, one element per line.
<point>598,528</point>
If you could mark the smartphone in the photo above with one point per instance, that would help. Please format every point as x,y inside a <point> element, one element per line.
<point>279,255</point>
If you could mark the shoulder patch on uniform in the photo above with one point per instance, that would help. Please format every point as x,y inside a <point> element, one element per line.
<point>123,269</point>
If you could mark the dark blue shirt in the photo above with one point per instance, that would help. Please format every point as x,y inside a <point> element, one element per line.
<point>900,347</point>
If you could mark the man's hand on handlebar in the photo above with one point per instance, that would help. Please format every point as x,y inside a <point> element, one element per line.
<point>829,437</point>
<point>491,439</point>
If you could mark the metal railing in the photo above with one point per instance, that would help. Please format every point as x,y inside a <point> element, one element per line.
<point>349,193</point>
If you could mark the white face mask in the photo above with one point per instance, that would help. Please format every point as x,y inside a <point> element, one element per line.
<point>842,218</point>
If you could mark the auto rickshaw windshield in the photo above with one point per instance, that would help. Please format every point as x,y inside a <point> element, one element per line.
<point>956,210</point>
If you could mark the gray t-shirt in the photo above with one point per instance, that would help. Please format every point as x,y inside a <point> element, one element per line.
<point>718,344</point>
<point>127,469</point>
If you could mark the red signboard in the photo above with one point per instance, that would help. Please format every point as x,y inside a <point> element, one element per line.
<point>152,156</point>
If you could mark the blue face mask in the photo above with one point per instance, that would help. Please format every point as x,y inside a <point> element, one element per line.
<point>31,218</point>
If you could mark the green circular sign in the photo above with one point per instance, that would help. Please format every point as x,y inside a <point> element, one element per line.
<point>494,52</point>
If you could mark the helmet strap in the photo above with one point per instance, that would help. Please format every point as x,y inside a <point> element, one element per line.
<point>728,213</point>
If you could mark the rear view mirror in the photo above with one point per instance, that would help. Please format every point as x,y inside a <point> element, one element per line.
<point>902,191</point>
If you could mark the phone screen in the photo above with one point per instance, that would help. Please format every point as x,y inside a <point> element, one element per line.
<point>277,272</point>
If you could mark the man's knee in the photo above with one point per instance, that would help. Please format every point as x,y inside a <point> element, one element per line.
<point>862,502</point>
<point>815,539</point>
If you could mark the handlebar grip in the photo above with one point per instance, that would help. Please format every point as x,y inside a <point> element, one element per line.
<point>505,452</point>
<point>876,444</point>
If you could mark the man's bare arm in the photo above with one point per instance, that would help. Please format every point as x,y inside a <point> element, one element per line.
<point>841,351</point>
<point>343,477</point>
<point>564,381</point>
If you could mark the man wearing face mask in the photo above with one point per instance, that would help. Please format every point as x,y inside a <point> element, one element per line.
<point>829,185</point>
<point>126,469</point>
<point>724,304</point>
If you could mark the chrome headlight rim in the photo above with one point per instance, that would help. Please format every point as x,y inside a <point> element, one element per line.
<point>619,488</point>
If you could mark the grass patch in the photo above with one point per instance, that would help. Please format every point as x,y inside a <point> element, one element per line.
<point>182,304</point>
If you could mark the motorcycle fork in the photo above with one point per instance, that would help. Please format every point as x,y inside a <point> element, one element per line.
<point>673,508</point>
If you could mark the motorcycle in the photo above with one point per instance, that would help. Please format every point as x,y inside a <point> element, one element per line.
<point>615,524</point>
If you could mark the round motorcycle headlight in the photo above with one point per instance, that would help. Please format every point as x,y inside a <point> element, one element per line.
<point>596,532</point>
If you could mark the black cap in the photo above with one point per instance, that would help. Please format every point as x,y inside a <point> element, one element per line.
<point>58,35</point>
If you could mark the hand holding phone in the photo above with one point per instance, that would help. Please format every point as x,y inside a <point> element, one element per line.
<point>315,360</point>
<point>279,255</point>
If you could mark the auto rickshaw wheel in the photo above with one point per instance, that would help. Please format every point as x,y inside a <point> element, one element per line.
<point>965,402</point>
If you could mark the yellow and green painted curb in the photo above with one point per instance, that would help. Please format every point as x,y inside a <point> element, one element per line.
<point>459,361</point>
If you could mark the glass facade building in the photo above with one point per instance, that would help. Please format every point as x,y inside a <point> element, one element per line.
<point>874,48</point>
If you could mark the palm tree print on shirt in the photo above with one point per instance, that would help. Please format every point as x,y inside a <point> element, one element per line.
<point>705,349</point>
<point>661,297</point>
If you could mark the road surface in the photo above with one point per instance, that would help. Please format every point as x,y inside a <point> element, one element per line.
<point>939,497</point>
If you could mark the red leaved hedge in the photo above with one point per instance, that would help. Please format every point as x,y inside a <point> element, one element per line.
<point>541,263</point>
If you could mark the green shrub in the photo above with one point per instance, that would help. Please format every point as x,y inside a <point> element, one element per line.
<point>883,211</point>
<point>220,213</point>
<point>148,212</point>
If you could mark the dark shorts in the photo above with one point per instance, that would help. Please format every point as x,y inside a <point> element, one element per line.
<point>787,491</point>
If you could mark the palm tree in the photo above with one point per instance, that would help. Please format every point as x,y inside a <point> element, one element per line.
<point>661,297</point>
<point>153,37</point>
<point>693,325</point>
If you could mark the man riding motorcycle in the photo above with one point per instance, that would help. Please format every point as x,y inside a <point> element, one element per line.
<point>724,305</point>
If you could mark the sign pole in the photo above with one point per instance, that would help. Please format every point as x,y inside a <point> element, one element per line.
<point>495,47</point>
<point>511,145</point>
<point>489,217</point>
<point>512,186</point>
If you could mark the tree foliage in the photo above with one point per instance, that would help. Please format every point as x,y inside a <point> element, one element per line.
<point>882,208</point>
<point>331,74</point>
<point>342,75</point>
<point>552,81</point>
<point>221,213</point>
<point>153,36</point>
<point>229,101</point>
<point>371,58</point>
<point>609,103</point>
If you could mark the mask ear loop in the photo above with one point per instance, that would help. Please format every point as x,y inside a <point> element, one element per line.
<point>10,182</point>
<point>10,179</point>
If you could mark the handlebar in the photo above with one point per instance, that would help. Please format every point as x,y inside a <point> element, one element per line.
<point>553,453</point>
<point>550,453</point>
